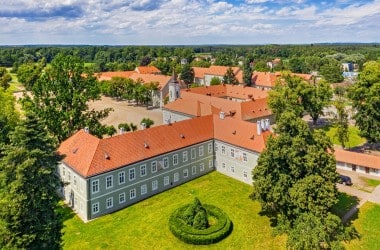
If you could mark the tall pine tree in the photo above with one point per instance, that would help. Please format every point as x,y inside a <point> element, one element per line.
<point>28,189</point>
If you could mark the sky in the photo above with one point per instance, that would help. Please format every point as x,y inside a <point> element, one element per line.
<point>192,22</point>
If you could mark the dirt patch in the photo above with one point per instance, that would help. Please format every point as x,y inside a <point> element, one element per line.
<point>125,112</point>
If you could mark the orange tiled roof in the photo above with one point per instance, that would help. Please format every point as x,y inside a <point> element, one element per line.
<point>162,80</point>
<point>108,75</point>
<point>360,159</point>
<point>190,107</point>
<point>213,70</point>
<point>255,109</point>
<point>239,133</point>
<point>147,70</point>
<point>267,79</point>
<point>235,91</point>
<point>90,156</point>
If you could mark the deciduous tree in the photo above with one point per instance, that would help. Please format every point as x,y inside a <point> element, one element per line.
<point>187,74</point>
<point>230,77</point>
<point>8,115</point>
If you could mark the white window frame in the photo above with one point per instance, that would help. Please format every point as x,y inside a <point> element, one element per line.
<point>201,167</point>
<point>194,170</point>
<point>201,150</point>
<point>95,208</point>
<point>185,173</point>
<point>216,147</point>
<point>97,186</point>
<point>232,152</point>
<point>245,159</point>
<point>132,173</point>
<point>211,163</point>
<point>223,150</point>
<point>176,177</point>
<point>122,198</point>
<point>223,165</point>
<point>193,153</point>
<point>232,168</point>
<point>109,178</point>
<point>154,185</point>
<point>121,177</point>
<point>144,189</point>
<point>142,170</point>
<point>245,174</point>
<point>165,162</point>
<point>63,171</point>
<point>75,180</point>
<point>185,156</point>
<point>209,148</point>
<point>175,159</point>
<point>153,166</point>
<point>166,180</point>
<point>109,202</point>
<point>132,194</point>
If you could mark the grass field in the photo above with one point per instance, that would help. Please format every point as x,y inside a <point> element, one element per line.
<point>354,138</point>
<point>370,182</point>
<point>145,224</point>
<point>368,226</point>
<point>345,203</point>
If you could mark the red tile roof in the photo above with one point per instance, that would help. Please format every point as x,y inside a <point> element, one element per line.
<point>214,70</point>
<point>267,79</point>
<point>90,156</point>
<point>108,75</point>
<point>162,80</point>
<point>147,70</point>
<point>360,159</point>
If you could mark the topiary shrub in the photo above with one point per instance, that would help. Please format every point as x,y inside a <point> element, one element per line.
<point>198,231</point>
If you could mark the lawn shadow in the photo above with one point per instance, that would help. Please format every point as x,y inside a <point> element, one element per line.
<point>345,204</point>
<point>65,212</point>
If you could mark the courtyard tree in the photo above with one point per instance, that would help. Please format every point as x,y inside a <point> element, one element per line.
<point>215,81</point>
<point>247,73</point>
<point>341,123</point>
<point>61,96</point>
<point>29,73</point>
<point>230,77</point>
<point>5,78</point>
<point>187,74</point>
<point>28,189</point>
<point>295,174</point>
<point>366,101</point>
<point>147,121</point>
<point>331,70</point>
<point>318,97</point>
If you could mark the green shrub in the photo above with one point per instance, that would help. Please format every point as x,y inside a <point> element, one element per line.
<point>200,220</point>
<point>212,234</point>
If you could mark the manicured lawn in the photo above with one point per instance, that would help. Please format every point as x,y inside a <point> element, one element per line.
<point>354,137</point>
<point>371,182</point>
<point>345,203</point>
<point>145,224</point>
<point>368,226</point>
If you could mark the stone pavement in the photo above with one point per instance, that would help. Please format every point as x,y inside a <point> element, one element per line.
<point>361,195</point>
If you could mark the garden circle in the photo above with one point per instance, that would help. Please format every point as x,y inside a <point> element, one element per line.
<point>200,224</point>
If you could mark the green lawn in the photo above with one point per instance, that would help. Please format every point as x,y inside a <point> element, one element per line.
<point>370,182</point>
<point>345,203</point>
<point>354,138</point>
<point>368,226</point>
<point>145,224</point>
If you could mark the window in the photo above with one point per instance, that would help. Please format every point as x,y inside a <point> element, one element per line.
<point>95,208</point>
<point>224,165</point>
<point>154,166</point>
<point>95,186</point>
<point>121,177</point>
<point>176,177</point>
<point>175,159</point>
<point>185,173</point>
<point>154,185</point>
<point>202,167</point>
<point>132,175</point>
<point>209,148</point>
<point>109,182</point>
<point>194,170</point>
<point>122,198</point>
<point>166,180</point>
<point>193,153</point>
<point>69,175</point>
<point>245,157</point>
<point>142,170</point>
<point>109,202</point>
<point>232,152</point>
<point>210,163</point>
<point>63,171</point>
<point>201,150</point>
<point>223,150</point>
<point>75,181</point>
<point>232,169</point>
<point>184,156</point>
<point>132,193</point>
<point>166,162</point>
<point>143,189</point>
<point>216,147</point>
<point>245,175</point>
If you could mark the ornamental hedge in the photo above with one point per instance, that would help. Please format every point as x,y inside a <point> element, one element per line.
<point>185,229</point>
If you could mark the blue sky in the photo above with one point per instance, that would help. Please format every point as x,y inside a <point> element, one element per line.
<point>170,22</point>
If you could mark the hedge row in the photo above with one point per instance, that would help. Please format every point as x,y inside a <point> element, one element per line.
<point>210,235</point>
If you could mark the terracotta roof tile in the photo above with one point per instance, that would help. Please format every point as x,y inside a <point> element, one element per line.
<point>214,70</point>
<point>108,75</point>
<point>94,156</point>
<point>147,70</point>
<point>162,80</point>
<point>360,159</point>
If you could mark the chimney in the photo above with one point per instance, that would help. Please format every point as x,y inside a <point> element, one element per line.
<point>87,130</point>
<point>222,115</point>
<point>258,128</point>
<point>143,125</point>
<point>121,131</point>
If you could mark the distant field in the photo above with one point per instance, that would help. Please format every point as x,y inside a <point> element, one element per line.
<point>368,226</point>
<point>354,138</point>
<point>145,224</point>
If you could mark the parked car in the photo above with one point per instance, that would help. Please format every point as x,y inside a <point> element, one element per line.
<point>345,180</point>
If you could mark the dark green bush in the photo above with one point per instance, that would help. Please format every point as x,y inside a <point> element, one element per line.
<point>221,229</point>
